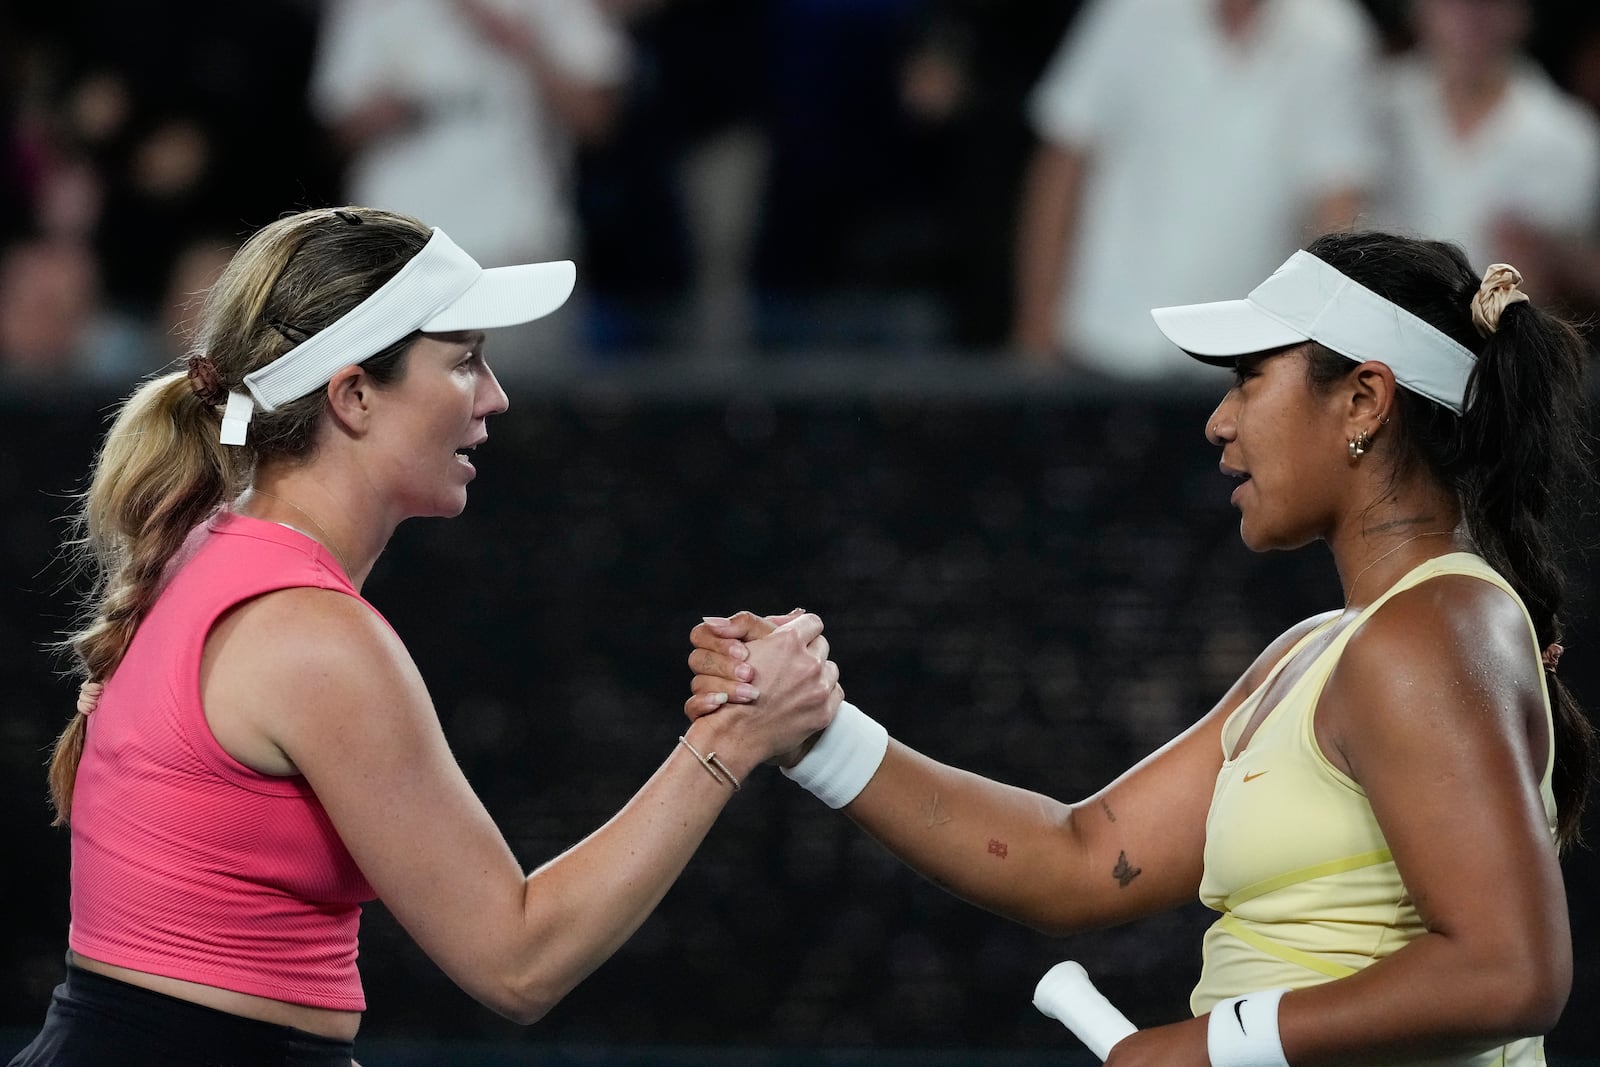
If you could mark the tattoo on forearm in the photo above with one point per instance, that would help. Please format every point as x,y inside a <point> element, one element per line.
<point>935,812</point>
<point>1124,872</point>
<point>1111,815</point>
<point>997,848</point>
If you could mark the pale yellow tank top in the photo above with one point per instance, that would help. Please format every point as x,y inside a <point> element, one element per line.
<point>1294,858</point>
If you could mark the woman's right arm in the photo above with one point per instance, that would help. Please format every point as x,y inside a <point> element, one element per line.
<point>312,681</point>
<point>1134,848</point>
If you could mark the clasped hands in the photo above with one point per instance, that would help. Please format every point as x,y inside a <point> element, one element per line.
<point>776,669</point>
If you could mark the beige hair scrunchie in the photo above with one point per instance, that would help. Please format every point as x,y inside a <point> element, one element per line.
<point>1498,292</point>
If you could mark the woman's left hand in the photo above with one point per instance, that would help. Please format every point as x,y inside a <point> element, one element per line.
<point>1178,1045</point>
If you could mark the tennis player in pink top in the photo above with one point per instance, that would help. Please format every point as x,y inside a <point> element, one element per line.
<point>263,755</point>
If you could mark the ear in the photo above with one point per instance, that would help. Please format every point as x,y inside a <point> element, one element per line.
<point>1369,397</point>
<point>350,399</point>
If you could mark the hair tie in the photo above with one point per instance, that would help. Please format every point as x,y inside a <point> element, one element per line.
<point>205,380</point>
<point>1552,657</point>
<point>1498,292</point>
<point>89,696</point>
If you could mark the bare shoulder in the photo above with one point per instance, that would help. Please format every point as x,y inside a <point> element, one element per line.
<point>304,635</point>
<point>1454,627</point>
<point>291,666</point>
<point>1439,663</point>
<point>299,610</point>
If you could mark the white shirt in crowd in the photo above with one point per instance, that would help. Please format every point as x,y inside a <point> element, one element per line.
<point>1535,158</point>
<point>1206,157</point>
<point>487,161</point>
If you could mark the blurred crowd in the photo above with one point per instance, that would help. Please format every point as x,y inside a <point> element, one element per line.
<point>1012,179</point>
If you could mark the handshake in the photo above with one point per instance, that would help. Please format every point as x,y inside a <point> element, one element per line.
<point>768,682</point>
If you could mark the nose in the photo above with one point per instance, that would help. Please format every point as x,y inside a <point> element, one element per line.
<point>1220,426</point>
<point>492,399</point>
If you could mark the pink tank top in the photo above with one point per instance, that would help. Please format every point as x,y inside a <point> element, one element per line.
<point>185,862</point>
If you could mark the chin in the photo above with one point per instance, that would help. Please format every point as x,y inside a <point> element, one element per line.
<point>441,507</point>
<point>1254,543</point>
<point>1259,540</point>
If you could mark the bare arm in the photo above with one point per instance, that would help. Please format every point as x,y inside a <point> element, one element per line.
<point>316,677</point>
<point>1047,224</point>
<point>1134,848</point>
<point>1434,709</point>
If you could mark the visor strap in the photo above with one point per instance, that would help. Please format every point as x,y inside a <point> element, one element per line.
<point>236,418</point>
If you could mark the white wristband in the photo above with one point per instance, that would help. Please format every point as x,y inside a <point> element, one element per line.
<point>1243,1031</point>
<point>844,758</point>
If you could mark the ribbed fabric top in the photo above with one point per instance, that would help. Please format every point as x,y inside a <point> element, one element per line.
<point>185,862</point>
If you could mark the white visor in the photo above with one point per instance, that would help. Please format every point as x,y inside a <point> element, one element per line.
<point>1307,300</point>
<point>441,290</point>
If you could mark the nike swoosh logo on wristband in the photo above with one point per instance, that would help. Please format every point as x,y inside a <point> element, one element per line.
<point>1238,1013</point>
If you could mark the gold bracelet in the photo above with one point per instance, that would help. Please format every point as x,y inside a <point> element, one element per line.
<point>714,766</point>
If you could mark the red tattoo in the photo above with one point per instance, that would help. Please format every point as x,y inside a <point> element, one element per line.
<point>997,848</point>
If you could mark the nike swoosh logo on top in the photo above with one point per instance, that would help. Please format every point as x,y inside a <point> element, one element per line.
<point>1253,777</point>
<point>1238,1005</point>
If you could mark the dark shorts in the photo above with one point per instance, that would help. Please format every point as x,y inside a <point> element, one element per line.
<point>95,1021</point>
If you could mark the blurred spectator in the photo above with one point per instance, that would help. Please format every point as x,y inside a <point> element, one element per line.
<point>191,117</point>
<point>1188,146</point>
<point>466,113</point>
<point>1565,264</point>
<point>842,246</point>
<point>198,265</point>
<point>666,204</point>
<point>52,322</point>
<point>966,82</point>
<point>1481,146</point>
<point>858,161</point>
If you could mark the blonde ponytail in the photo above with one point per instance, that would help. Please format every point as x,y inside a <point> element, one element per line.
<point>160,472</point>
<point>162,469</point>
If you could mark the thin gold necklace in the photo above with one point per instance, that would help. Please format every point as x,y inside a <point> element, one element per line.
<point>1429,533</point>
<point>327,538</point>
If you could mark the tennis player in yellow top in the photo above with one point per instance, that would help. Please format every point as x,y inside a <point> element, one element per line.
<point>1375,807</point>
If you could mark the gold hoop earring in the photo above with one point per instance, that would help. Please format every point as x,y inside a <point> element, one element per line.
<point>1359,444</point>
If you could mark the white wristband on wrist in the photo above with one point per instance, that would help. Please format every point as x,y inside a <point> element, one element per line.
<point>844,759</point>
<point>1243,1031</point>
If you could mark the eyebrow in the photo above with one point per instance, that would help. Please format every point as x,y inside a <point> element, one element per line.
<point>470,338</point>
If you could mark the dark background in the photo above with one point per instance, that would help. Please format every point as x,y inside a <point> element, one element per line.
<point>1037,578</point>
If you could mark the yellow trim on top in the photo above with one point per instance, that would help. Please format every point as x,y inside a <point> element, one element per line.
<point>1257,941</point>
<point>1307,874</point>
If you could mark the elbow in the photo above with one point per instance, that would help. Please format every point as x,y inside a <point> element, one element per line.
<point>523,992</point>
<point>523,1013</point>
<point>524,1003</point>
<point>1546,982</point>
<point>1526,996</point>
<point>1537,1005</point>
